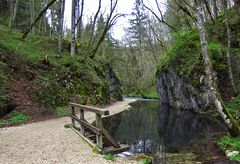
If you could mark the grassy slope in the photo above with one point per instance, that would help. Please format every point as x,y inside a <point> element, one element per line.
<point>50,86</point>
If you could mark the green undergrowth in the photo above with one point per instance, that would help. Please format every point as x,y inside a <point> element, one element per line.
<point>61,111</point>
<point>151,93</point>
<point>228,143</point>
<point>109,157</point>
<point>14,117</point>
<point>234,107</point>
<point>18,117</point>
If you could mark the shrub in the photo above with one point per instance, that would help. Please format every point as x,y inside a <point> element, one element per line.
<point>18,117</point>
<point>109,157</point>
<point>230,143</point>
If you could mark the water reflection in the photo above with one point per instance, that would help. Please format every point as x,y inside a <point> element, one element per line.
<point>153,128</point>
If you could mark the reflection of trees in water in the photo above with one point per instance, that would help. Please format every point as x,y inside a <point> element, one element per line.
<point>179,127</point>
<point>137,127</point>
<point>148,126</point>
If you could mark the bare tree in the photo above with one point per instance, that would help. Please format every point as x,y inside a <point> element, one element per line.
<point>229,121</point>
<point>159,17</point>
<point>90,42</point>
<point>111,20</point>
<point>79,22</point>
<point>38,18</point>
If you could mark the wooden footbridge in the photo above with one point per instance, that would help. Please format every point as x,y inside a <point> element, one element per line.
<point>96,135</point>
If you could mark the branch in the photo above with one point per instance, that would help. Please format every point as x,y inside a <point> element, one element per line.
<point>185,10</point>
<point>158,18</point>
<point>37,18</point>
<point>90,42</point>
<point>79,20</point>
<point>111,20</point>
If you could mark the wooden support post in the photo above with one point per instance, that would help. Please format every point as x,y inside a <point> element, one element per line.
<point>99,137</point>
<point>73,113</point>
<point>82,118</point>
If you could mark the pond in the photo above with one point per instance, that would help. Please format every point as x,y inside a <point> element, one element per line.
<point>163,132</point>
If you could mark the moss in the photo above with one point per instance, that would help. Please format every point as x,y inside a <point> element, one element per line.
<point>184,57</point>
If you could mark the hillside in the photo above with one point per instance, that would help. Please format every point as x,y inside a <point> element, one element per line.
<point>184,60</point>
<point>32,89</point>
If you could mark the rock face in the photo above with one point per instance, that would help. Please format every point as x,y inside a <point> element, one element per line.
<point>177,92</point>
<point>114,84</point>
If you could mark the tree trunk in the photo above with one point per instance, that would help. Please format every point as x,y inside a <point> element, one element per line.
<point>73,37</point>
<point>60,25</point>
<point>13,15</point>
<point>79,23</point>
<point>215,8</point>
<point>229,121</point>
<point>229,47</point>
<point>32,13</point>
<point>237,3</point>
<point>37,18</point>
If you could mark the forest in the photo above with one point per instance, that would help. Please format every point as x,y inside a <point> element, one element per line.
<point>184,53</point>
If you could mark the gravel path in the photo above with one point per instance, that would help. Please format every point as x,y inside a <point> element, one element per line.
<point>49,142</point>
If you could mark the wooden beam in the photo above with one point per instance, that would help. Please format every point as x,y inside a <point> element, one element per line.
<point>82,118</point>
<point>114,150</point>
<point>86,139</point>
<point>110,138</point>
<point>99,137</point>
<point>86,125</point>
<point>91,109</point>
<point>73,113</point>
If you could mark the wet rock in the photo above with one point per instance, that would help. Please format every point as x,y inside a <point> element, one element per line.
<point>178,92</point>
<point>231,153</point>
<point>114,84</point>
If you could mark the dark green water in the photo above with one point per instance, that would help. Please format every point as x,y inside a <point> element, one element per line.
<point>158,130</point>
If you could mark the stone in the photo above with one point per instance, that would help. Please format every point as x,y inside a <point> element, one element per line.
<point>114,85</point>
<point>178,92</point>
<point>231,153</point>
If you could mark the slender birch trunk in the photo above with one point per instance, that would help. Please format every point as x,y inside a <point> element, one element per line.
<point>230,122</point>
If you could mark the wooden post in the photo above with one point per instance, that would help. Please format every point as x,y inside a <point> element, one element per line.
<point>73,113</point>
<point>99,137</point>
<point>82,118</point>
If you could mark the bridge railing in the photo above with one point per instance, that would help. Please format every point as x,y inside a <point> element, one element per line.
<point>99,132</point>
